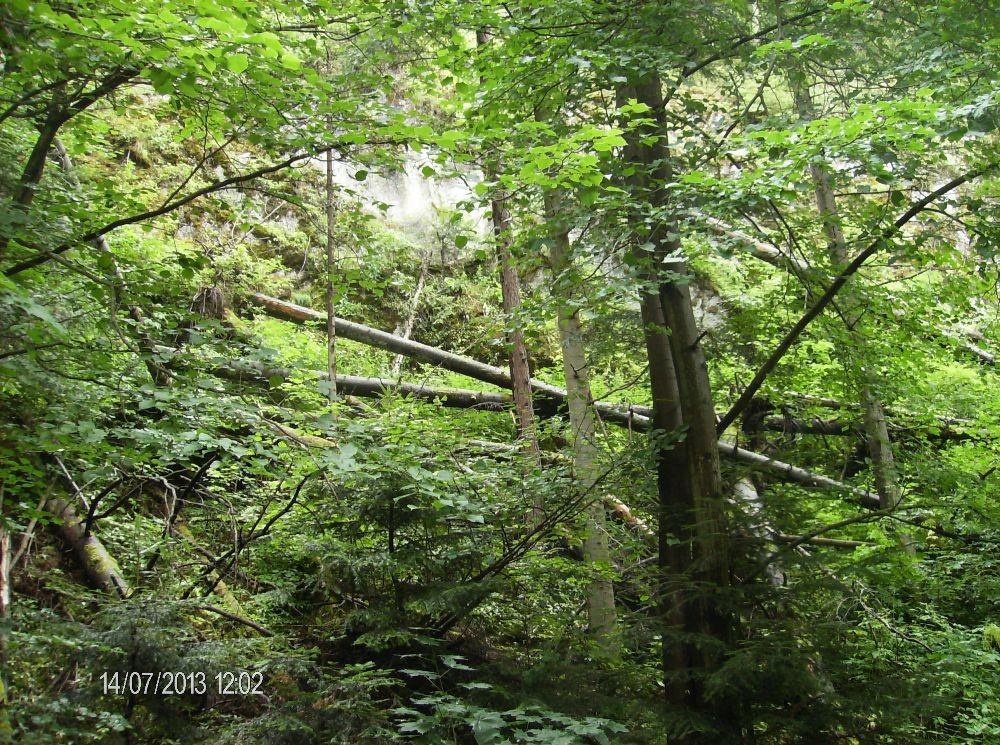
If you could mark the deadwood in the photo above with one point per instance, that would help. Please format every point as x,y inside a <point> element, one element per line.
<point>100,566</point>
<point>259,374</point>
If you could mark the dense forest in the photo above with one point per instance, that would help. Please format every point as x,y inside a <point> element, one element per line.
<point>540,371</point>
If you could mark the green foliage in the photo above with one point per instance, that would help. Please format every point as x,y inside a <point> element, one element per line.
<point>374,560</point>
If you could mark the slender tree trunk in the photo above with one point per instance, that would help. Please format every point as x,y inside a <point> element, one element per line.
<point>406,329</point>
<point>5,576</point>
<point>520,372</point>
<point>601,612</point>
<point>27,186</point>
<point>331,318</point>
<point>59,112</point>
<point>119,288</point>
<point>876,428</point>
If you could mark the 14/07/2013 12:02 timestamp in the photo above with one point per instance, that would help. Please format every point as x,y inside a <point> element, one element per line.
<point>165,683</point>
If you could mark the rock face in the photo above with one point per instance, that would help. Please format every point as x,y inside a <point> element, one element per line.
<point>414,199</point>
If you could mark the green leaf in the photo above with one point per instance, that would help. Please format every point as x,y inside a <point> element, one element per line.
<point>237,62</point>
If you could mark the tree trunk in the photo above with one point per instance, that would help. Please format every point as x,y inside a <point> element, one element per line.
<point>413,349</point>
<point>876,430</point>
<point>406,329</point>
<point>100,567</point>
<point>601,613</point>
<point>693,540</point>
<point>119,289</point>
<point>6,731</point>
<point>27,186</point>
<point>520,373</point>
<point>331,318</point>
<point>510,287</point>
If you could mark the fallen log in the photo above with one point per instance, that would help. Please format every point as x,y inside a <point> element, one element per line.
<point>794,473</point>
<point>259,374</point>
<point>391,343</point>
<point>100,567</point>
<point>548,398</point>
<point>243,371</point>
<point>763,251</point>
<point>906,419</point>
<point>837,427</point>
<point>628,417</point>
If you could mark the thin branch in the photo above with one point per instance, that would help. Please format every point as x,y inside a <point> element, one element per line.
<point>238,619</point>
<point>150,214</point>
<point>792,336</point>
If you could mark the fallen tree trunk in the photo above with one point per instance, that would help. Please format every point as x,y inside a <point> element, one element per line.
<point>794,473</point>
<point>257,373</point>
<point>757,248</point>
<point>628,417</point>
<point>244,371</point>
<point>902,415</point>
<point>836,427</point>
<point>547,397</point>
<point>100,567</point>
<point>390,342</point>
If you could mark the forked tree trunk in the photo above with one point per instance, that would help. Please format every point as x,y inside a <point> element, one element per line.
<point>601,613</point>
<point>693,528</point>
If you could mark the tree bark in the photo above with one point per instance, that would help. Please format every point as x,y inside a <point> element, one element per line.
<point>510,286</point>
<point>693,541</point>
<point>601,612</point>
<point>331,318</point>
<point>748,499</point>
<point>27,186</point>
<point>876,430</point>
<point>520,373</point>
<point>100,567</point>
<point>693,527</point>
<point>413,349</point>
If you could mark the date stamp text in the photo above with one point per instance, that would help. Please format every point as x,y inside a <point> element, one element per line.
<point>166,683</point>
